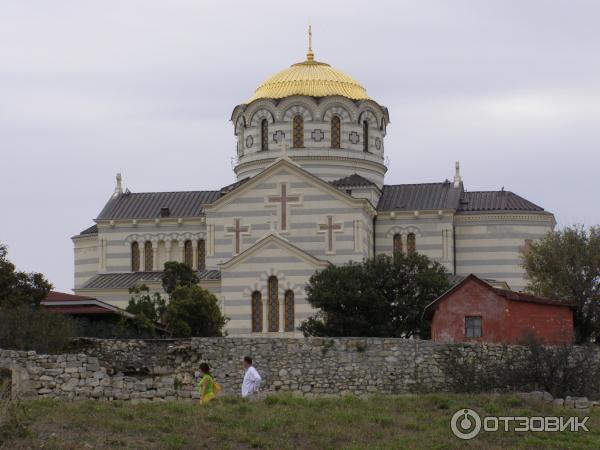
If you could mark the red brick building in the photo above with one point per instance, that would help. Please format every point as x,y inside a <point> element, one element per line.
<point>473,310</point>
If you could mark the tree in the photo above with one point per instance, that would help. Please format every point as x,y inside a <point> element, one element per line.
<point>148,310</point>
<point>178,274</point>
<point>380,297</point>
<point>193,311</point>
<point>20,288</point>
<point>25,328</point>
<point>565,265</point>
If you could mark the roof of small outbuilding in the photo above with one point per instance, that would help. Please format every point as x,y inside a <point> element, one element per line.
<point>508,294</point>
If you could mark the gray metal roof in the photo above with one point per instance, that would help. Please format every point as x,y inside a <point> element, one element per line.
<point>354,180</point>
<point>495,201</point>
<point>147,205</point>
<point>412,197</point>
<point>130,279</point>
<point>91,230</point>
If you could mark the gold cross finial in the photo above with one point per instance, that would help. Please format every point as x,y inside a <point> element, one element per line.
<point>310,56</point>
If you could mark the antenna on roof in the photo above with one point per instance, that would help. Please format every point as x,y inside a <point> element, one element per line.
<point>457,177</point>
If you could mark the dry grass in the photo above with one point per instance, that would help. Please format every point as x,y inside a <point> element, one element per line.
<point>286,422</point>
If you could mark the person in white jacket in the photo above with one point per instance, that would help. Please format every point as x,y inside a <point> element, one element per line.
<point>252,379</point>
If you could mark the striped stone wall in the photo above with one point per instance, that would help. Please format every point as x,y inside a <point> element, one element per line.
<point>491,245</point>
<point>86,258</point>
<point>433,231</point>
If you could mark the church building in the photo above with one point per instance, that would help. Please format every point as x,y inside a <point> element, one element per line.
<point>310,191</point>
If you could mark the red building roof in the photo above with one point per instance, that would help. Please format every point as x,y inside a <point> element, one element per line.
<point>79,305</point>
<point>54,296</point>
<point>509,295</point>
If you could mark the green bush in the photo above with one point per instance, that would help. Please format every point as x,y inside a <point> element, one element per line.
<point>193,311</point>
<point>26,328</point>
<point>560,370</point>
<point>12,413</point>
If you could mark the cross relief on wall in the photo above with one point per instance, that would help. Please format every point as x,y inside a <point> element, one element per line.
<point>330,228</point>
<point>283,202</point>
<point>237,231</point>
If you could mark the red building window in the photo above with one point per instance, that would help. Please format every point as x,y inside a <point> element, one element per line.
<point>473,326</point>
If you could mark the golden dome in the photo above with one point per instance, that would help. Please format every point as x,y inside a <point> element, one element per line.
<point>312,78</point>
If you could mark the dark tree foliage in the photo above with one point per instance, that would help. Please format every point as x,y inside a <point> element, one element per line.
<point>565,264</point>
<point>178,274</point>
<point>24,325</point>
<point>20,288</point>
<point>26,328</point>
<point>148,310</point>
<point>380,297</point>
<point>193,311</point>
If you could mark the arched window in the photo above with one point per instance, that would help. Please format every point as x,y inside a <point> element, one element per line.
<point>273,304</point>
<point>298,131</point>
<point>148,256</point>
<point>264,135</point>
<point>397,244</point>
<point>335,132</point>
<point>188,253</point>
<point>289,310</point>
<point>365,136</point>
<point>135,257</point>
<point>201,254</point>
<point>257,312</point>
<point>411,244</point>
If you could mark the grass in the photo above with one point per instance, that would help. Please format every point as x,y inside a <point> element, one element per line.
<point>285,422</point>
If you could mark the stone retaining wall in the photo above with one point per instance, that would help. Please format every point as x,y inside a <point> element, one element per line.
<point>165,369</point>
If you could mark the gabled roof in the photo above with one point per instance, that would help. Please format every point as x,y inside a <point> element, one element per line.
<point>292,167</point>
<point>354,180</point>
<point>455,279</point>
<point>508,294</point>
<point>130,279</point>
<point>273,237</point>
<point>495,201</point>
<point>421,196</point>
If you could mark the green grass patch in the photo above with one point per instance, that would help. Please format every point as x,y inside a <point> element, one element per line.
<point>284,422</point>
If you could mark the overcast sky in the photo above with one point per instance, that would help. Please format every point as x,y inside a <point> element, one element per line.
<point>511,88</point>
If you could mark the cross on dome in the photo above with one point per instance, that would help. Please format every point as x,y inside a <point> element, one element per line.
<point>310,56</point>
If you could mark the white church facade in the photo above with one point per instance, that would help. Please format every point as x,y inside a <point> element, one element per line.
<point>310,192</point>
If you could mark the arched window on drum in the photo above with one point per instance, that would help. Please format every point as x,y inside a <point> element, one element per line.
<point>264,135</point>
<point>336,132</point>
<point>298,131</point>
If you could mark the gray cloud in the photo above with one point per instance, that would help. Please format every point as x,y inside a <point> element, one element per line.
<point>510,88</point>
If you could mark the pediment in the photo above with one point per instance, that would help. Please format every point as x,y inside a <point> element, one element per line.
<point>273,240</point>
<point>284,166</point>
